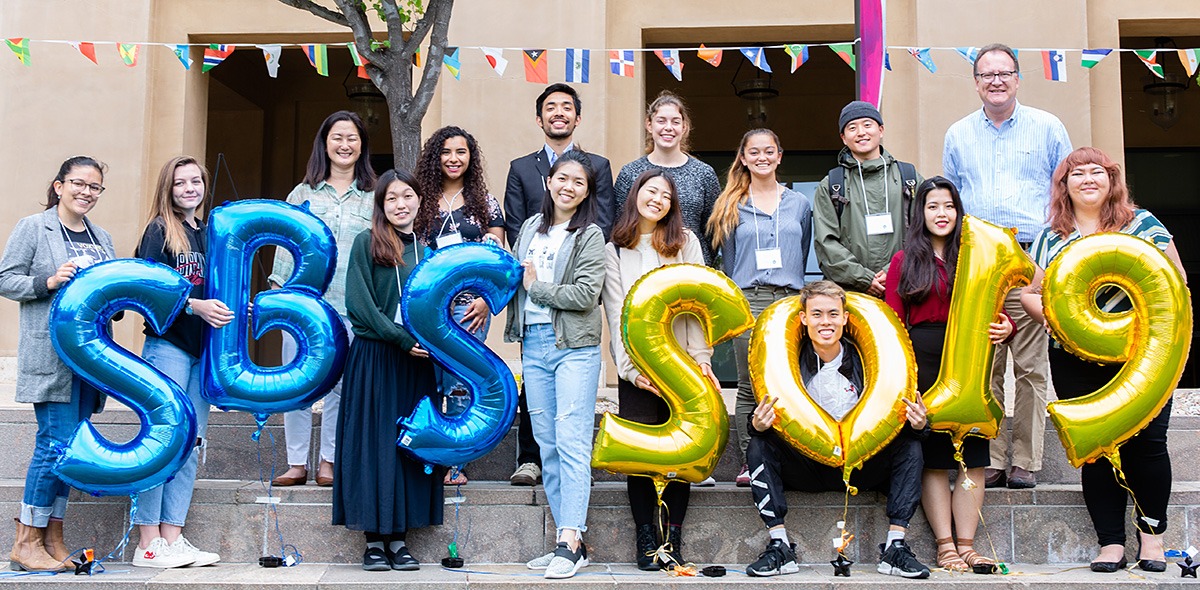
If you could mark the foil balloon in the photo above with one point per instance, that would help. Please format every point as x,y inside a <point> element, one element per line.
<point>889,372</point>
<point>493,274</point>
<point>231,380</point>
<point>1152,339</point>
<point>79,330</point>
<point>689,444</point>
<point>990,264</point>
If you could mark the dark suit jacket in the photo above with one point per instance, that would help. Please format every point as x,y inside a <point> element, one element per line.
<point>526,188</point>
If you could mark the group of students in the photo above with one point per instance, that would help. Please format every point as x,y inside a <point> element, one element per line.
<point>584,240</point>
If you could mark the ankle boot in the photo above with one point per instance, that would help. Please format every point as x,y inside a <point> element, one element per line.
<point>29,554</point>
<point>647,543</point>
<point>675,538</point>
<point>55,545</point>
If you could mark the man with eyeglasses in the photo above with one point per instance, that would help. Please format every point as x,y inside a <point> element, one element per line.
<point>1002,157</point>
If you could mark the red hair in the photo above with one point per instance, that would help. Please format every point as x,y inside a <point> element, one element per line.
<point>1116,212</point>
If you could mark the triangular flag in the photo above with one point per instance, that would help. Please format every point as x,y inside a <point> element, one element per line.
<point>1091,57</point>
<point>579,61</point>
<point>451,62</point>
<point>799,54</point>
<point>620,62</point>
<point>670,58</point>
<point>183,53</point>
<point>215,54</point>
<point>271,55</point>
<point>1150,58</point>
<point>968,53</point>
<point>495,58</point>
<point>318,56</point>
<point>712,56</point>
<point>757,57</point>
<point>417,58</point>
<point>1191,60</point>
<point>887,61</point>
<point>359,61</point>
<point>926,60</point>
<point>86,49</point>
<point>1054,64</point>
<point>20,47</point>
<point>129,53</point>
<point>846,52</point>
<point>536,68</point>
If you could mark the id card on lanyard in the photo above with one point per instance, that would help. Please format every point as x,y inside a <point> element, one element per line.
<point>398,319</point>
<point>879,223</point>
<point>766,258</point>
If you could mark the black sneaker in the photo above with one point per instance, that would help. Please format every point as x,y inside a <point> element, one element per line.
<point>376,560</point>
<point>898,560</point>
<point>403,560</point>
<point>566,562</point>
<point>778,558</point>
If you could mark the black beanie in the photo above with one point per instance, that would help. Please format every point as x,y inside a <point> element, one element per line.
<point>858,109</point>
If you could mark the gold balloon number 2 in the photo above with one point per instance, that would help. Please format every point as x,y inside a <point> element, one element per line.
<point>688,446</point>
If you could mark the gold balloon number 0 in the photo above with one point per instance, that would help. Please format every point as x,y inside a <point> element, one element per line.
<point>1152,338</point>
<point>688,446</point>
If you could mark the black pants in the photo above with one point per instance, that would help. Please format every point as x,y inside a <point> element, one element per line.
<point>1144,457</point>
<point>527,447</point>
<point>642,406</point>
<point>775,466</point>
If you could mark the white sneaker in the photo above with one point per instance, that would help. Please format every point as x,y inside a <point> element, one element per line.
<point>540,563</point>
<point>159,554</point>
<point>200,558</point>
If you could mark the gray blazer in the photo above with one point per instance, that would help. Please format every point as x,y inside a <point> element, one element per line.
<point>33,253</point>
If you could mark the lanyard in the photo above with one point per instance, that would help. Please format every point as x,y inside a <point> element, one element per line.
<point>449,212</point>
<point>416,253</point>
<point>863,182</point>
<point>67,233</point>
<point>757,246</point>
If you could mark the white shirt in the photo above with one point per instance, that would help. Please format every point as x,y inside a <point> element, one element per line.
<point>650,258</point>
<point>832,390</point>
<point>543,249</point>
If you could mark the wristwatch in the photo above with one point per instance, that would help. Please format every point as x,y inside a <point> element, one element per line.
<point>188,308</point>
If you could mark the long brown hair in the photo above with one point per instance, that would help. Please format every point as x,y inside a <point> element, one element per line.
<point>1117,210</point>
<point>386,247</point>
<point>429,173</point>
<point>724,218</point>
<point>163,206</point>
<point>668,238</point>
<point>666,97</point>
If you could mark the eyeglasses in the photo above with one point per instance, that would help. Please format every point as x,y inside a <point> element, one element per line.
<point>989,76</point>
<point>94,188</point>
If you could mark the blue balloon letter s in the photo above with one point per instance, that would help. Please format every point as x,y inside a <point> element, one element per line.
<point>231,380</point>
<point>79,319</point>
<point>493,274</point>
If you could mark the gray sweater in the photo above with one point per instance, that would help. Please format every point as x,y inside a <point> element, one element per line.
<point>34,251</point>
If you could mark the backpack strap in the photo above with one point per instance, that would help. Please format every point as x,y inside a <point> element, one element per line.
<point>908,179</point>
<point>837,181</point>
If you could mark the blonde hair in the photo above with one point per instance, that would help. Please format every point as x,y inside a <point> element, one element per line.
<point>724,218</point>
<point>163,207</point>
<point>666,97</point>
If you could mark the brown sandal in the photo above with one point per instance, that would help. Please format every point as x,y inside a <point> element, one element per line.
<point>972,557</point>
<point>948,559</point>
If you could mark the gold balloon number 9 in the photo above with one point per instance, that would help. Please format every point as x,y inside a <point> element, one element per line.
<point>1152,338</point>
<point>688,446</point>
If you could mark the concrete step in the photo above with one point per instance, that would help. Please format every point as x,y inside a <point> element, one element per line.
<point>497,523</point>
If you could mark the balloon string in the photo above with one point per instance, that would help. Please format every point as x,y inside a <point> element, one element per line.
<point>663,552</point>
<point>845,536</point>
<point>1138,513</point>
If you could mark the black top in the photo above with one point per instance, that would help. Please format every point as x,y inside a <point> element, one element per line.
<point>470,228</point>
<point>187,331</point>
<point>81,243</point>
<point>526,187</point>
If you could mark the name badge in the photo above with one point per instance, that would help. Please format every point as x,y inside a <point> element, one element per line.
<point>399,319</point>
<point>879,223</point>
<point>768,258</point>
<point>456,238</point>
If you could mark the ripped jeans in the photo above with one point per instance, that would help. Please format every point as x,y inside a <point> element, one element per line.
<point>560,385</point>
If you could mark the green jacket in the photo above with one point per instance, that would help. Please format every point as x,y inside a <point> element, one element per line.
<point>847,255</point>
<point>373,292</point>
<point>573,297</point>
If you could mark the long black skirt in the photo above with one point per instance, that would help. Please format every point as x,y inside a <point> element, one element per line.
<point>928,339</point>
<point>377,487</point>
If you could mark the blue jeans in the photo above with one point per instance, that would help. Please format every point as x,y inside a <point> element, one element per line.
<point>46,494</point>
<point>561,389</point>
<point>447,381</point>
<point>169,502</point>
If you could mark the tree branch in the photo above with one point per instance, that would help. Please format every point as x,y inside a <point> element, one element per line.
<point>395,24</point>
<point>439,21</point>
<point>357,20</point>
<point>326,13</point>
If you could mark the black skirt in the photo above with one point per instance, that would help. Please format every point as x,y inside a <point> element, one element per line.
<point>377,487</point>
<point>928,339</point>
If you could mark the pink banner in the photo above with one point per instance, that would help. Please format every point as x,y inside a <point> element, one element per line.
<point>869,21</point>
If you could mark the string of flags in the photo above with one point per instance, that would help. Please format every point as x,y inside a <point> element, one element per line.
<point>577,61</point>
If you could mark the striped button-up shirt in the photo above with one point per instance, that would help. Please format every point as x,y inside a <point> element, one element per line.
<point>1004,173</point>
<point>347,215</point>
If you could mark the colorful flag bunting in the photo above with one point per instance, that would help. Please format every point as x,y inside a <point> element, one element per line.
<point>1150,58</point>
<point>926,60</point>
<point>579,63</point>
<point>183,52</point>
<point>536,67</point>
<point>86,49</point>
<point>798,53</point>
<point>318,56</point>
<point>417,58</point>
<point>757,57</point>
<point>129,53</point>
<point>1054,65</point>
<point>215,54</point>
<point>620,62</point>
<point>846,52</point>
<point>271,55</point>
<point>451,62</point>
<point>968,53</point>
<point>359,61</point>
<point>712,56</point>
<point>887,60</point>
<point>20,47</point>
<point>670,58</point>
<point>1191,60</point>
<point>495,58</point>
<point>1091,57</point>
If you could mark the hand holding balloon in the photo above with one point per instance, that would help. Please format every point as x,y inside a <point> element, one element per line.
<point>63,274</point>
<point>999,330</point>
<point>212,311</point>
<point>529,277</point>
<point>915,412</point>
<point>764,414</point>
<point>643,383</point>
<point>418,352</point>
<point>477,314</point>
